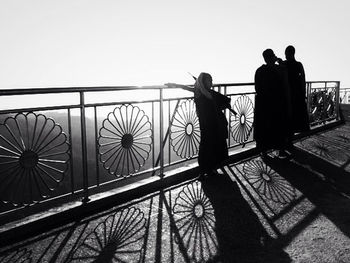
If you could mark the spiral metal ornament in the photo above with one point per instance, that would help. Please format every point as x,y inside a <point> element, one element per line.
<point>125,140</point>
<point>33,158</point>
<point>185,131</point>
<point>268,182</point>
<point>118,239</point>
<point>242,124</point>
<point>195,220</point>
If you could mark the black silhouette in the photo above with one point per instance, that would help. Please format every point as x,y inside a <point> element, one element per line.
<point>297,91</point>
<point>271,105</point>
<point>213,124</point>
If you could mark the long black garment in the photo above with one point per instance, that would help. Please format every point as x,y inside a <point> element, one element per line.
<point>272,105</point>
<point>213,127</point>
<point>297,86</point>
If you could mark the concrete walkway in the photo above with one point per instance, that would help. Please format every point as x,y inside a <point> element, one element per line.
<point>258,210</point>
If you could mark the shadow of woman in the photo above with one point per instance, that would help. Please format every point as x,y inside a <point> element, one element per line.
<point>240,235</point>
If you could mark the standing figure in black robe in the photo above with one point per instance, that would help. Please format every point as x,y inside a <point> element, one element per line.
<point>213,124</point>
<point>272,106</point>
<point>212,121</point>
<point>297,91</point>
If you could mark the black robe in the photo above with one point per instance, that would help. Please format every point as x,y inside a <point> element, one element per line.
<point>272,108</point>
<point>213,126</point>
<point>296,80</point>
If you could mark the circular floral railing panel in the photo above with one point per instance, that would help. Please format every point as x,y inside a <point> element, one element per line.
<point>33,158</point>
<point>242,124</point>
<point>268,182</point>
<point>195,220</point>
<point>185,132</point>
<point>117,239</point>
<point>125,140</point>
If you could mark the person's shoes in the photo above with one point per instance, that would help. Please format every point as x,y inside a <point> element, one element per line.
<point>283,155</point>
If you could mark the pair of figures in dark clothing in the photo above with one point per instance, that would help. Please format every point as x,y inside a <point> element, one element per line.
<point>212,121</point>
<point>280,102</point>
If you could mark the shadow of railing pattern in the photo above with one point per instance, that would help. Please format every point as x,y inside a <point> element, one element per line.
<point>19,256</point>
<point>332,146</point>
<point>192,222</point>
<point>249,214</point>
<point>271,195</point>
<point>195,220</point>
<point>117,239</point>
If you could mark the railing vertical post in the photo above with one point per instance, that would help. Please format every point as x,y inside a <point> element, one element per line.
<point>324,99</point>
<point>84,147</point>
<point>229,120</point>
<point>337,99</point>
<point>161,127</point>
<point>308,97</point>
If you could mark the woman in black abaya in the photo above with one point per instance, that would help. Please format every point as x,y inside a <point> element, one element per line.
<point>213,124</point>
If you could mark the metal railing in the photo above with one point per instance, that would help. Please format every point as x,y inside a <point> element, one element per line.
<point>323,101</point>
<point>65,143</point>
<point>344,94</point>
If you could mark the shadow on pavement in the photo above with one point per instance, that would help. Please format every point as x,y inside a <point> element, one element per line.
<point>324,184</point>
<point>241,237</point>
<point>207,221</point>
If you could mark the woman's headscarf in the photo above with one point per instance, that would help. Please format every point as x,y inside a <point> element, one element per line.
<point>199,86</point>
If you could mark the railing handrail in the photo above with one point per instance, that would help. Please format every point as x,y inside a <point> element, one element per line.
<point>50,90</point>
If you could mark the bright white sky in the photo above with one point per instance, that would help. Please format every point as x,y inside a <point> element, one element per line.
<point>46,43</point>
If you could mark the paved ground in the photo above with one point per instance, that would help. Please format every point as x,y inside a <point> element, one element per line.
<point>267,210</point>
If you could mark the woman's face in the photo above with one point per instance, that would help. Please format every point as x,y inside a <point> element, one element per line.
<point>208,82</point>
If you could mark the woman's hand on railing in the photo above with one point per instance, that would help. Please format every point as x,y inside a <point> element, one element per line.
<point>171,85</point>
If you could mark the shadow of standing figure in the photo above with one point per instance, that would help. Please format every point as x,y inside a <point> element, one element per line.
<point>240,235</point>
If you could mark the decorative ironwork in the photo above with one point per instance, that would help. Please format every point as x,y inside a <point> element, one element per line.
<point>125,140</point>
<point>19,256</point>
<point>242,124</point>
<point>185,132</point>
<point>316,107</point>
<point>330,103</point>
<point>323,105</point>
<point>195,220</point>
<point>118,239</point>
<point>33,158</point>
<point>268,182</point>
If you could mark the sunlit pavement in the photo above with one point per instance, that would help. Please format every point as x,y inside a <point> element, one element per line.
<point>258,210</point>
